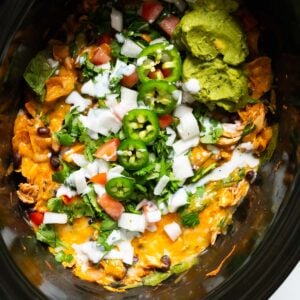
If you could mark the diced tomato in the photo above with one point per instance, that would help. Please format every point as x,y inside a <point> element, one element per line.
<point>130,80</point>
<point>151,10</point>
<point>100,178</point>
<point>101,55</point>
<point>66,199</point>
<point>111,206</point>
<point>105,38</point>
<point>36,217</point>
<point>108,151</point>
<point>166,72</point>
<point>168,24</point>
<point>165,121</point>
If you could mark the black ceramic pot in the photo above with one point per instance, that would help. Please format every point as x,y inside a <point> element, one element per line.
<point>266,234</point>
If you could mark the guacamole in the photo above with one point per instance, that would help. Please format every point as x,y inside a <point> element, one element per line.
<point>220,84</point>
<point>226,5</point>
<point>210,34</point>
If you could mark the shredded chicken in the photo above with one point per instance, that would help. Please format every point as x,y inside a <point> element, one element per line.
<point>28,193</point>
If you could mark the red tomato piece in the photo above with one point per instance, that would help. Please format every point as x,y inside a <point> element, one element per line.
<point>168,24</point>
<point>105,38</point>
<point>130,80</point>
<point>108,151</point>
<point>36,217</point>
<point>151,10</point>
<point>101,55</point>
<point>66,199</point>
<point>100,178</point>
<point>165,121</point>
<point>111,206</point>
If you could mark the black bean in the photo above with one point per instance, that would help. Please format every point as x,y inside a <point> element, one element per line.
<point>166,261</point>
<point>250,176</point>
<point>43,131</point>
<point>17,159</point>
<point>54,161</point>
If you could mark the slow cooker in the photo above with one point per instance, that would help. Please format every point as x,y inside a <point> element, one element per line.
<point>266,233</point>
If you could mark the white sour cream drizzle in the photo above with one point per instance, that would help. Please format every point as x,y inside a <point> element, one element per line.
<point>238,160</point>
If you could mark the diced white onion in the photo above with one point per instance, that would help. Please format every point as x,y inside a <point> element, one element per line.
<point>128,102</point>
<point>79,159</point>
<point>115,172</point>
<point>97,87</point>
<point>55,218</point>
<point>171,136</point>
<point>182,146</point>
<point>182,168</point>
<point>99,189</point>
<point>142,204</point>
<point>163,208</point>
<point>90,250</point>
<point>187,98</point>
<point>64,190</point>
<point>192,86</point>
<point>158,40</point>
<point>151,227</point>
<point>102,121</point>
<point>177,200</point>
<point>130,49</point>
<point>78,101</point>
<point>188,126</point>
<point>132,222</point>
<point>173,231</point>
<point>53,63</point>
<point>116,20</point>
<point>161,184</point>
<point>127,251</point>
<point>80,181</point>
<point>120,38</point>
<point>114,254</point>
<point>114,237</point>
<point>151,212</point>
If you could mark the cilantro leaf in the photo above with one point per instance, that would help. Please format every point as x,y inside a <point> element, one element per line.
<point>101,241</point>
<point>61,176</point>
<point>61,256</point>
<point>38,71</point>
<point>189,219</point>
<point>211,130</point>
<point>46,234</point>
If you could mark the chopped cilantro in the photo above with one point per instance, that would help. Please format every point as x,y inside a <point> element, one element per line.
<point>47,234</point>
<point>189,219</point>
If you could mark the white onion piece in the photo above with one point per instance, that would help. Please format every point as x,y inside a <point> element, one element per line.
<point>128,102</point>
<point>151,227</point>
<point>173,231</point>
<point>182,146</point>
<point>171,136</point>
<point>79,159</point>
<point>151,212</point>
<point>163,208</point>
<point>55,218</point>
<point>102,121</point>
<point>99,189</point>
<point>132,222</point>
<point>116,20</point>
<point>78,101</point>
<point>182,110</point>
<point>115,172</point>
<point>64,190</point>
<point>80,181</point>
<point>97,87</point>
<point>161,184</point>
<point>182,168</point>
<point>127,251</point>
<point>114,237</point>
<point>114,254</point>
<point>130,49</point>
<point>120,38</point>
<point>90,250</point>
<point>142,204</point>
<point>177,200</point>
<point>158,40</point>
<point>192,86</point>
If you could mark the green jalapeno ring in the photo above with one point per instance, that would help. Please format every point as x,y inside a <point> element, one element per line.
<point>163,55</point>
<point>132,154</point>
<point>142,125</point>
<point>120,187</point>
<point>158,95</point>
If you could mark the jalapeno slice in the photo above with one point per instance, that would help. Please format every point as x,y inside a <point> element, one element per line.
<point>133,154</point>
<point>120,187</point>
<point>158,95</point>
<point>159,61</point>
<point>142,125</point>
